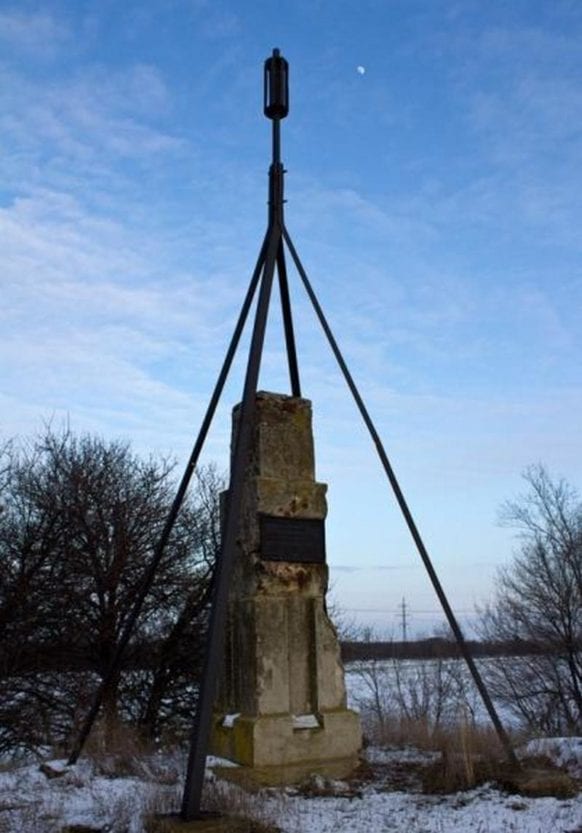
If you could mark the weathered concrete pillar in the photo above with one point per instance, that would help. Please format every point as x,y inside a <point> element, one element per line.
<point>282,703</point>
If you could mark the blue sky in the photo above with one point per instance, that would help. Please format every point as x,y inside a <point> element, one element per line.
<point>435,201</point>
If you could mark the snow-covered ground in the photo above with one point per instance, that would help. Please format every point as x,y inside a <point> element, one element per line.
<point>479,811</point>
<point>113,795</point>
<point>91,794</point>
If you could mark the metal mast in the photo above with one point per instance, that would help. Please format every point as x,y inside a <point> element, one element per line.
<point>276,107</point>
<point>271,258</point>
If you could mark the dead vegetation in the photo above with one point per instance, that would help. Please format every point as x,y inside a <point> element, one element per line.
<point>239,807</point>
<point>430,709</point>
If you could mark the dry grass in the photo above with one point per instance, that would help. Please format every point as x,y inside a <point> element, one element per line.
<point>35,817</point>
<point>121,752</point>
<point>536,782</point>
<point>229,799</point>
<point>471,755</point>
<point>115,739</point>
<point>162,800</point>
<point>464,737</point>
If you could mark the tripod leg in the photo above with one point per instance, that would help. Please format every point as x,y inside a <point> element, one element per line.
<point>288,322</point>
<point>451,618</point>
<point>215,644</point>
<point>172,515</point>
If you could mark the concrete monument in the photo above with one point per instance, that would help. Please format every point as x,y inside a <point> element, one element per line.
<point>281,708</point>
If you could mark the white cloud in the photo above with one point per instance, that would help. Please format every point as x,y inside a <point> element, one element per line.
<point>81,127</point>
<point>39,33</point>
<point>91,330</point>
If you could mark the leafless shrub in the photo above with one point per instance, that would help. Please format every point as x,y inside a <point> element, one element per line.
<point>538,603</point>
<point>411,701</point>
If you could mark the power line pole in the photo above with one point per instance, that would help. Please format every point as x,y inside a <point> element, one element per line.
<point>403,618</point>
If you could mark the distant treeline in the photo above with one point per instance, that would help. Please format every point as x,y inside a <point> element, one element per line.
<point>436,647</point>
<point>145,655</point>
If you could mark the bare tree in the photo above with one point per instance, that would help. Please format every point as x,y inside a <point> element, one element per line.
<point>538,603</point>
<point>79,519</point>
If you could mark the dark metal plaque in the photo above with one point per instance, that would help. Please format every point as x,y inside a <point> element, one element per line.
<point>292,539</point>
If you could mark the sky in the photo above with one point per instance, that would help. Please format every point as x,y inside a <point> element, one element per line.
<point>434,198</point>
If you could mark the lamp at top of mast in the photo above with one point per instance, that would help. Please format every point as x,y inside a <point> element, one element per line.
<point>276,87</point>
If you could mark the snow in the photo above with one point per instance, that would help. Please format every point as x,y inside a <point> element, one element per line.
<point>305,721</point>
<point>392,754</point>
<point>482,811</point>
<point>214,761</point>
<point>564,752</point>
<point>28,799</point>
<point>31,802</point>
<point>229,719</point>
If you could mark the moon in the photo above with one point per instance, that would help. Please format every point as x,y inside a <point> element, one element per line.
<point>361,70</point>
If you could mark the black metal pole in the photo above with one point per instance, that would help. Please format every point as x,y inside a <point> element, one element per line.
<point>288,322</point>
<point>276,141</point>
<point>172,515</point>
<point>487,702</point>
<point>215,645</point>
<point>276,106</point>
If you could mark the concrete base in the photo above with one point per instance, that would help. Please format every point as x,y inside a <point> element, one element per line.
<point>253,779</point>
<point>272,742</point>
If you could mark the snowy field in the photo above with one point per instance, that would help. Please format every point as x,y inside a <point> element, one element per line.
<point>86,796</point>
<point>445,684</point>
<point>114,795</point>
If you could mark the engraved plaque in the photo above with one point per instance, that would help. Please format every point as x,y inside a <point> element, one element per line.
<point>292,539</point>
